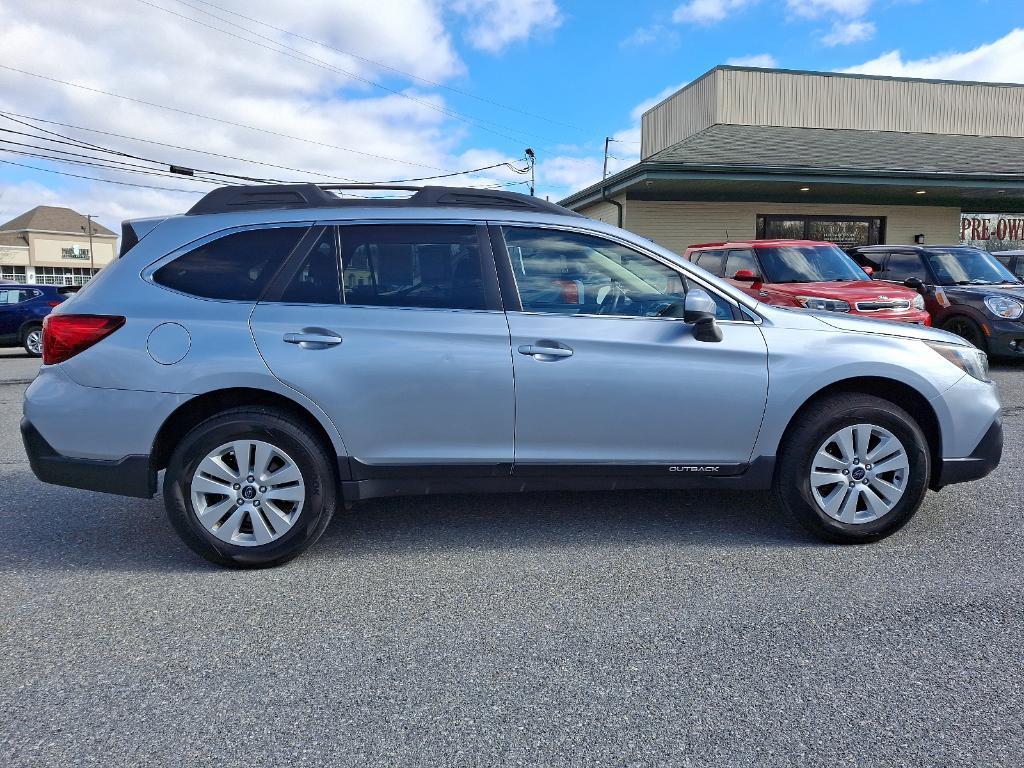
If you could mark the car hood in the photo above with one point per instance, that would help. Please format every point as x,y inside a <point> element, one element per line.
<point>850,291</point>
<point>858,324</point>
<point>1017,291</point>
<point>810,320</point>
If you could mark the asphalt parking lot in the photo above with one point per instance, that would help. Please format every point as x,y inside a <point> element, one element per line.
<point>569,629</point>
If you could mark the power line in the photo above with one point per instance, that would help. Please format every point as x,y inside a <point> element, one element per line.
<point>295,53</point>
<point>71,141</point>
<point>169,146</point>
<point>105,181</point>
<point>220,120</point>
<point>105,165</point>
<point>374,62</point>
<point>96,148</point>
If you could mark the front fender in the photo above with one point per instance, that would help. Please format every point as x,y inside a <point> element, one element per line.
<point>795,376</point>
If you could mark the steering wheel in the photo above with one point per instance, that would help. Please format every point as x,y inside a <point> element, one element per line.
<point>617,296</point>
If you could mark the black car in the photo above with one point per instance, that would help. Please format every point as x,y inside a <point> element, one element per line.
<point>966,290</point>
<point>1013,261</point>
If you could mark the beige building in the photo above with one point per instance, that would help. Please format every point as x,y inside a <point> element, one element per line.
<point>745,153</point>
<point>52,246</point>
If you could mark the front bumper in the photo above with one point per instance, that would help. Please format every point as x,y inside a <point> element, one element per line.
<point>128,476</point>
<point>1005,338</point>
<point>983,459</point>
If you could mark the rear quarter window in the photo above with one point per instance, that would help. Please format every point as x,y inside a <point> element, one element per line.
<point>236,267</point>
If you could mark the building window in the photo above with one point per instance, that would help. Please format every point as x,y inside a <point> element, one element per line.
<point>12,274</point>
<point>844,231</point>
<point>74,252</point>
<point>63,275</point>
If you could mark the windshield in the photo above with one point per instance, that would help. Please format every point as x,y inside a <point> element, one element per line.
<point>808,264</point>
<point>967,266</point>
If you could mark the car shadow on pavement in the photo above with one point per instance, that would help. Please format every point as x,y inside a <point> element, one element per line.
<point>65,529</point>
<point>563,520</point>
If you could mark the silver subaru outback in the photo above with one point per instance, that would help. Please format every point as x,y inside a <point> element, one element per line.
<point>280,350</point>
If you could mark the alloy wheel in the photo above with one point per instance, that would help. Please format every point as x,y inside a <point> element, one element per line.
<point>248,492</point>
<point>34,341</point>
<point>859,474</point>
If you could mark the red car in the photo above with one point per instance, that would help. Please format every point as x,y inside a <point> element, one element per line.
<point>810,274</point>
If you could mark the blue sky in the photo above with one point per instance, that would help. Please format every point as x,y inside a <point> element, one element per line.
<point>385,99</point>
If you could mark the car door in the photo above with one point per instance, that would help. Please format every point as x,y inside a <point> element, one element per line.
<point>901,265</point>
<point>602,379</point>
<point>397,332</point>
<point>13,304</point>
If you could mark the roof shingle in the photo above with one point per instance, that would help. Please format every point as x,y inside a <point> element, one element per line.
<point>846,150</point>
<point>52,218</point>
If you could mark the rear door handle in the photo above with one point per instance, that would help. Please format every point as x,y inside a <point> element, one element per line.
<point>314,339</point>
<point>540,352</point>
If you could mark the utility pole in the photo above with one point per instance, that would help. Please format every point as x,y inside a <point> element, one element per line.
<point>607,141</point>
<point>531,158</point>
<point>92,256</point>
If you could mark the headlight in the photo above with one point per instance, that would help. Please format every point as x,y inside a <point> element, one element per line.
<point>1005,307</point>
<point>970,360</point>
<point>826,305</point>
<point>918,302</point>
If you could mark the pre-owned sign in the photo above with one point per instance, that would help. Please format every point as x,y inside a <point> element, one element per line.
<point>992,231</point>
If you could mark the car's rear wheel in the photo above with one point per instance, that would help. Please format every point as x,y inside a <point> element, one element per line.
<point>855,468</point>
<point>967,329</point>
<point>32,340</point>
<point>250,488</point>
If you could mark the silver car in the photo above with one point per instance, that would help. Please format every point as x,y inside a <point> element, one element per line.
<point>280,350</point>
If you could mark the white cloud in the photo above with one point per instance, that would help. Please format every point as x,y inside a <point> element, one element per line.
<point>999,61</point>
<point>641,36</point>
<point>850,9</point>
<point>496,24</point>
<point>845,33</point>
<point>156,57</point>
<point>757,60</point>
<point>707,11</point>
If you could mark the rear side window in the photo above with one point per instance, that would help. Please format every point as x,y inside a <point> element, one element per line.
<point>410,265</point>
<point>711,261</point>
<point>317,280</point>
<point>236,267</point>
<point>902,265</point>
<point>17,296</point>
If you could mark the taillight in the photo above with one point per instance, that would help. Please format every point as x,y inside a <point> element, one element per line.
<point>64,336</point>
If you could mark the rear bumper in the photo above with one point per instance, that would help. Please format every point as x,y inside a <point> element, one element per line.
<point>983,459</point>
<point>128,476</point>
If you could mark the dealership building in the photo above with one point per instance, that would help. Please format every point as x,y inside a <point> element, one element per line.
<point>745,153</point>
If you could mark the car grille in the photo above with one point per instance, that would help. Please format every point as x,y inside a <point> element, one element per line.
<point>878,305</point>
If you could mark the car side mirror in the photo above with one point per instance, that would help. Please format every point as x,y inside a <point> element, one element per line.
<point>699,310</point>
<point>915,283</point>
<point>745,275</point>
<point>869,271</point>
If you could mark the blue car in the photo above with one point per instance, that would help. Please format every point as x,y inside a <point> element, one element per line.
<point>22,309</point>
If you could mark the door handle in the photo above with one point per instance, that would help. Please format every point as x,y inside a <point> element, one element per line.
<point>313,339</point>
<point>540,352</point>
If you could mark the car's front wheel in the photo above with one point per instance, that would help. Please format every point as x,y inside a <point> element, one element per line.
<point>250,488</point>
<point>855,468</point>
<point>32,340</point>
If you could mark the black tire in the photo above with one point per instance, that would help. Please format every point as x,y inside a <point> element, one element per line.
<point>312,458</point>
<point>26,337</point>
<point>813,426</point>
<point>967,329</point>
